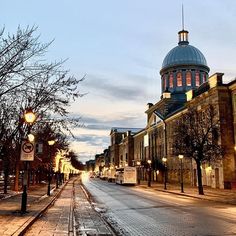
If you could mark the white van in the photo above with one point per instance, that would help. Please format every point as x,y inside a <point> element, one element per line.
<point>126,175</point>
<point>111,175</point>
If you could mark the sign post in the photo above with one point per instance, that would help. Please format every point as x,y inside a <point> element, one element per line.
<point>27,151</point>
<point>26,155</point>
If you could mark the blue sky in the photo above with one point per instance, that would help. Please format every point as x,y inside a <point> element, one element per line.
<point>120,46</point>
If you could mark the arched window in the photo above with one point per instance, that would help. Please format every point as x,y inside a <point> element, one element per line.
<point>188,78</point>
<point>197,78</point>
<point>204,77</point>
<point>171,80</point>
<point>179,79</point>
<point>164,82</point>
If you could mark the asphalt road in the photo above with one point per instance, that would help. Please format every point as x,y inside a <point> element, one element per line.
<point>139,211</point>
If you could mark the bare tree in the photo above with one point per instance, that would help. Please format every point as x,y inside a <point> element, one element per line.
<point>76,163</point>
<point>27,80</point>
<point>197,136</point>
<point>17,58</point>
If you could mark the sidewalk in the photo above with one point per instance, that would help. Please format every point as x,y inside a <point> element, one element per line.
<point>12,222</point>
<point>71,213</point>
<point>217,195</point>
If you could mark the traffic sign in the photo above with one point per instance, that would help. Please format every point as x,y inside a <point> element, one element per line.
<point>27,151</point>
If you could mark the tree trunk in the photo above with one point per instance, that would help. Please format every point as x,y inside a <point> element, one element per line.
<point>6,175</point>
<point>17,172</point>
<point>199,177</point>
<point>6,164</point>
<point>33,177</point>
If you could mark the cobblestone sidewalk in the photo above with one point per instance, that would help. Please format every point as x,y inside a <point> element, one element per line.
<point>87,220</point>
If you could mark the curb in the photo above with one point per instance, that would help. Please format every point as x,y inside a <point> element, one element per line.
<point>188,195</point>
<point>20,231</point>
<point>71,228</point>
<point>89,198</point>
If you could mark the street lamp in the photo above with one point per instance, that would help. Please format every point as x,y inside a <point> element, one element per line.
<point>50,143</point>
<point>138,165</point>
<point>149,172</point>
<point>181,173</point>
<point>31,137</point>
<point>29,118</point>
<point>164,159</point>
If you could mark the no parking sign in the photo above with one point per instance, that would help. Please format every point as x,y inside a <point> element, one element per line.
<point>27,151</point>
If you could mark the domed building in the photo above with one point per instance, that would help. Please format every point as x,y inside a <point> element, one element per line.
<point>185,85</point>
<point>183,68</point>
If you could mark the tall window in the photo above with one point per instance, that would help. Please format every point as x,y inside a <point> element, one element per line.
<point>171,80</point>
<point>188,78</point>
<point>164,82</point>
<point>179,79</point>
<point>197,78</point>
<point>204,77</point>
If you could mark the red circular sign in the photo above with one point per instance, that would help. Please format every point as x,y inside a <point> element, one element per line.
<point>28,147</point>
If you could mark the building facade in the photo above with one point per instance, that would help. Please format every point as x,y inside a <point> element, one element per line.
<point>185,84</point>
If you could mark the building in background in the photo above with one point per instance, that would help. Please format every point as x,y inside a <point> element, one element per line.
<point>185,84</point>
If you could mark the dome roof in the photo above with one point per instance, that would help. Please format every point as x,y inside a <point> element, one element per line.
<point>184,54</point>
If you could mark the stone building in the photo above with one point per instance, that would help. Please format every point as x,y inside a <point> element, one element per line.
<point>122,146</point>
<point>185,83</point>
<point>220,174</point>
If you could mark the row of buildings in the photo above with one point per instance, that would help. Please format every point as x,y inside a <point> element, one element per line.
<point>185,84</point>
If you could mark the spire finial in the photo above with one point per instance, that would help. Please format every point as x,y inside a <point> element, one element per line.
<point>183,34</point>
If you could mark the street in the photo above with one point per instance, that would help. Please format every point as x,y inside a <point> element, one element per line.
<point>139,211</point>
<point>71,214</point>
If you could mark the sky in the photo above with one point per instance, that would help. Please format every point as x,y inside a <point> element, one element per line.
<point>120,46</point>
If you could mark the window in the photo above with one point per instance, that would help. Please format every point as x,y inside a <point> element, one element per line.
<point>179,79</point>
<point>171,80</point>
<point>204,77</point>
<point>164,82</point>
<point>188,78</point>
<point>197,78</point>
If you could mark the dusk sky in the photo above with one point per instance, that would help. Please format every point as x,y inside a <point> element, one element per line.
<point>120,46</point>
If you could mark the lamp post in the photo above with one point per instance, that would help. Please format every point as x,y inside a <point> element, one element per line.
<point>138,167</point>
<point>181,173</point>
<point>164,159</point>
<point>149,172</point>
<point>50,143</point>
<point>29,118</point>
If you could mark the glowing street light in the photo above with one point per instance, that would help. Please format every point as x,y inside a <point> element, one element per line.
<point>149,172</point>
<point>138,163</point>
<point>50,143</point>
<point>164,159</point>
<point>29,118</point>
<point>181,173</point>
<point>31,138</point>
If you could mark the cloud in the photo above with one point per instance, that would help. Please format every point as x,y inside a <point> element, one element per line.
<point>94,136</point>
<point>93,140</point>
<point>132,120</point>
<point>121,88</point>
<point>87,145</point>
